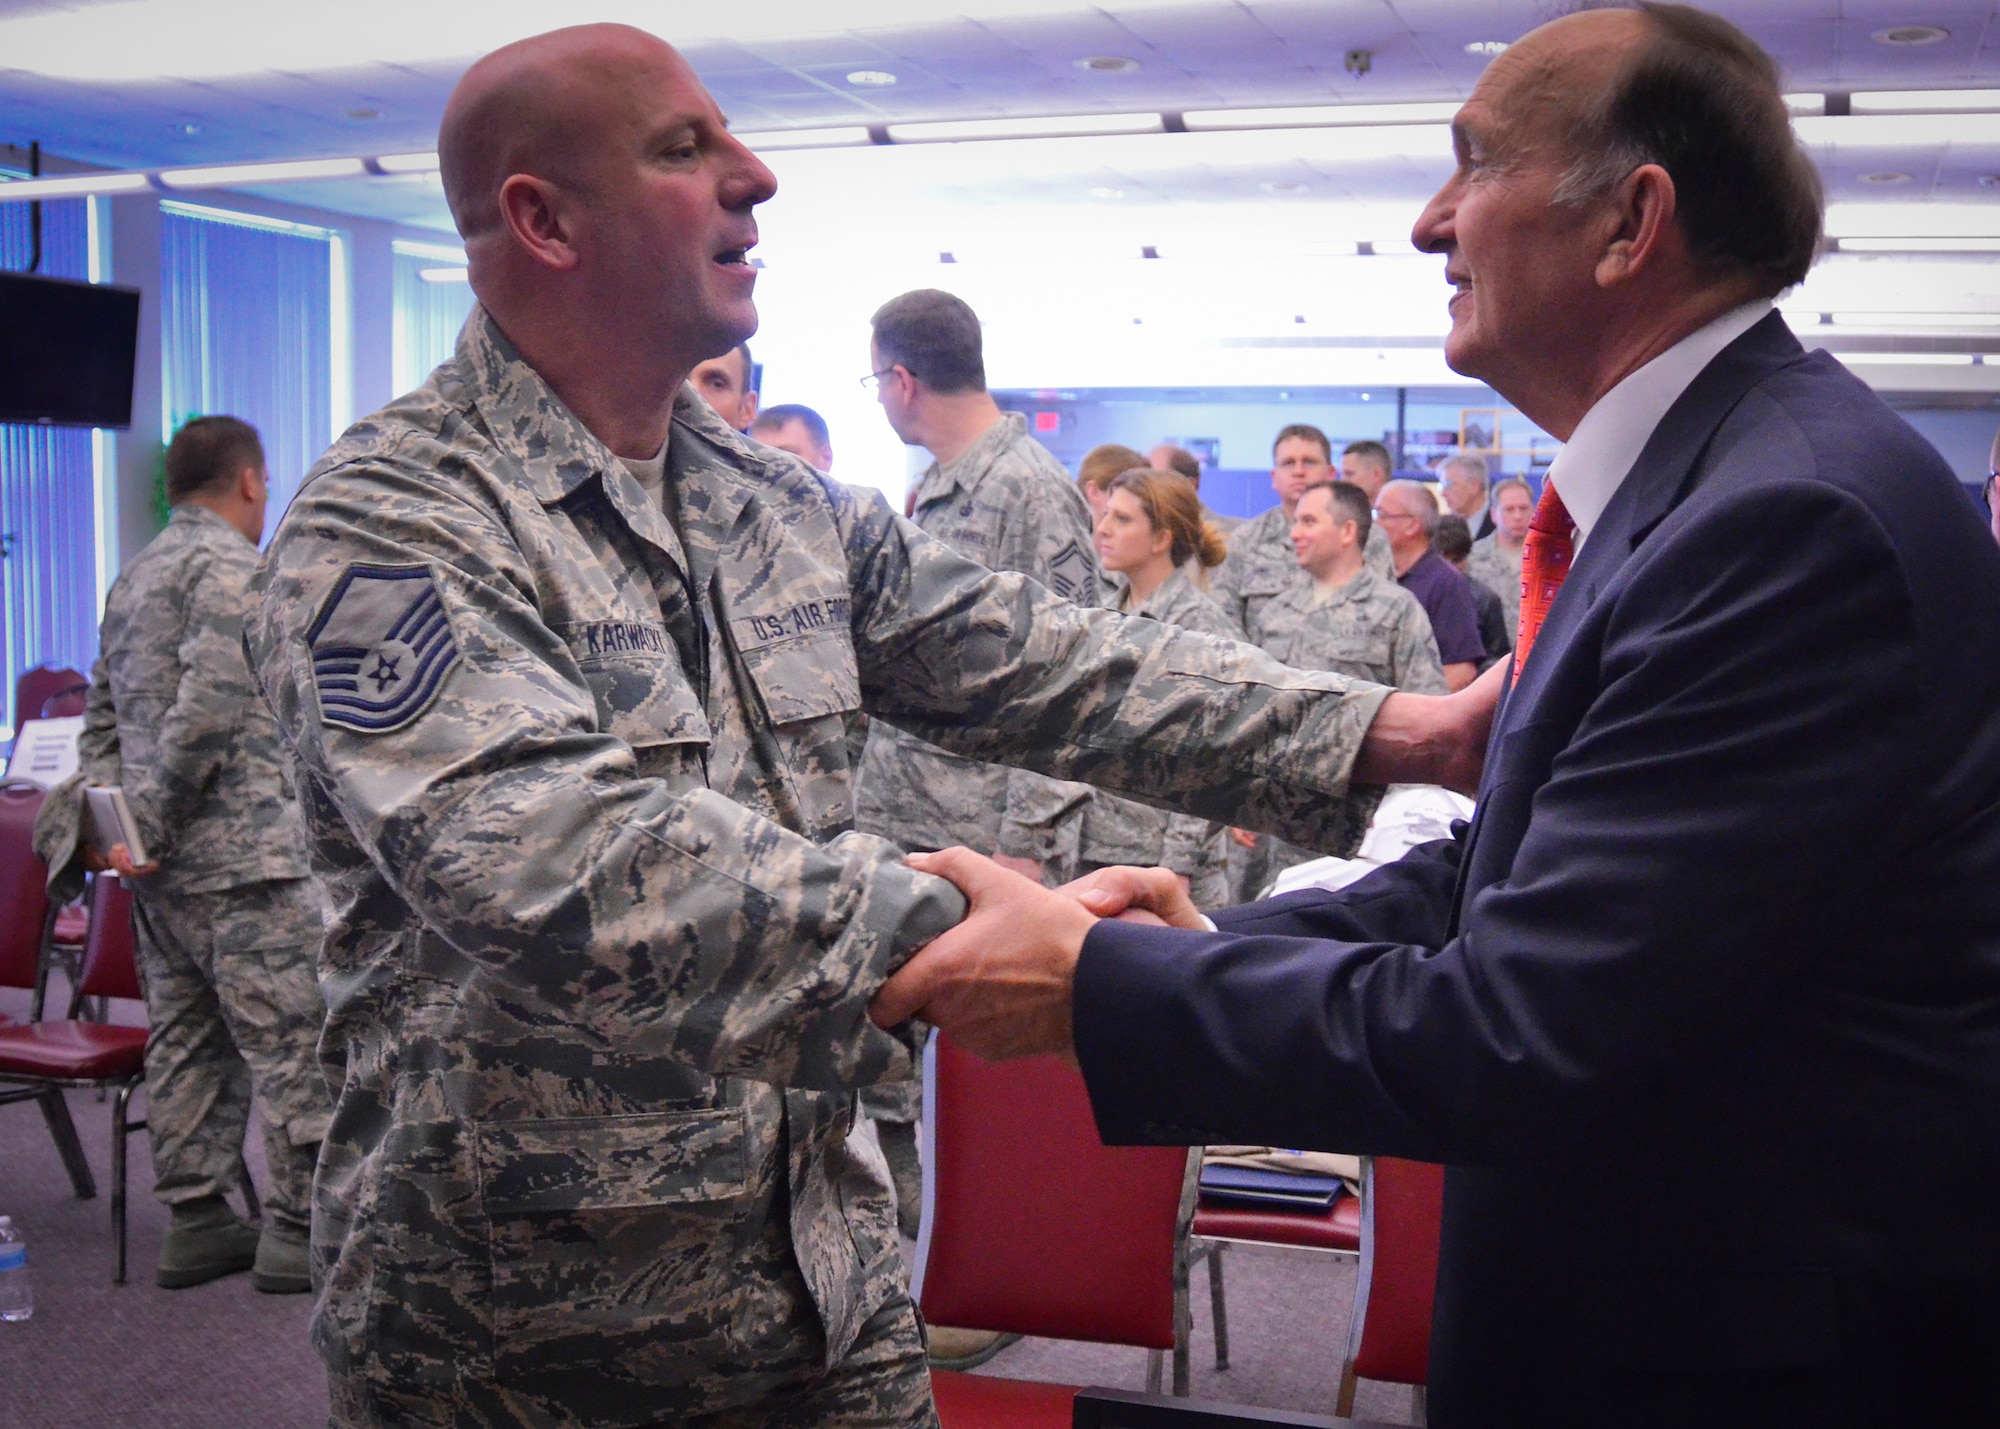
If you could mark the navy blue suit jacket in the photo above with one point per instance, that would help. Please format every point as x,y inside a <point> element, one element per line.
<point>1703,1009</point>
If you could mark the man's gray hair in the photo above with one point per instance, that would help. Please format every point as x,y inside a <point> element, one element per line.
<point>1420,497</point>
<point>1470,463</point>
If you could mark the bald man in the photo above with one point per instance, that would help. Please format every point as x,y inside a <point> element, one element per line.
<point>567,668</point>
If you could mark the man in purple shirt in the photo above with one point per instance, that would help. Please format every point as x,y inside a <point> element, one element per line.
<point>1407,512</point>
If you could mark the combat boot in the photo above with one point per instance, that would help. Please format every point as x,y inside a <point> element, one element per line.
<point>204,1241</point>
<point>282,1267</point>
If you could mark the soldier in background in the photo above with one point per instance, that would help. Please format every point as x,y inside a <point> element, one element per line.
<point>1150,532</point>
<point>565,665</point>
<point>1182,462</point>
<point>995,495</point>
<point>1495,561</point>
<point>1337,614</point>
<point>796,428</point>
<point>229,921</point>
<point>728,384</point>
<point>1095,472</point>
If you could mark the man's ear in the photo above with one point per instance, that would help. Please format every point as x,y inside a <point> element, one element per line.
<point>251,481</point>
<point>533,211</point>
<point>1639,226</point>
<point>748,409</point>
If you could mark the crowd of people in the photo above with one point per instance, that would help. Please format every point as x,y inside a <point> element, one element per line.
<point>637,790</point>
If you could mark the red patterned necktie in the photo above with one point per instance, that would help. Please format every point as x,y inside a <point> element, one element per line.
<point>1545,557</point>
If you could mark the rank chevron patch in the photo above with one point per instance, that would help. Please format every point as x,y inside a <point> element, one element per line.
<point>381,647</point>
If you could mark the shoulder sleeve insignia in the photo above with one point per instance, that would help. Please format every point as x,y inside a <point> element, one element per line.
<point>1073,574</point>
<point>381,648</point>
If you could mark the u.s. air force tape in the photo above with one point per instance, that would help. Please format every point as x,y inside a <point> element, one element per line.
<point>381,647</point>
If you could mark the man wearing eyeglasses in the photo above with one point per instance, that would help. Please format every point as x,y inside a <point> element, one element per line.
<point>1986,488</point>
<point>1408,513</point>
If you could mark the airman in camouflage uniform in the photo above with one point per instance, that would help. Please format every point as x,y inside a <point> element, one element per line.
<point>1370,628</point>
<point>1262,566</point>
<point>604,936</point>
<point>1499,570</point>
<point>1122,831</point>
<point>229,927</point>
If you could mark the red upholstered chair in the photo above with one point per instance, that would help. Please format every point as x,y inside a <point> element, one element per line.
<point>1334,1231</point>
<point>39,1059</point>
<point>33,689</point>
<point>1389,1337</point>
<point>1032,1225</point>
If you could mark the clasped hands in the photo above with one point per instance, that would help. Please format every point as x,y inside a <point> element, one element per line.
<point>1000,982</point>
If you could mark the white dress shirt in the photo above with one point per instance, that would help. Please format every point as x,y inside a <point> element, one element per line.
<point>1600,453</point>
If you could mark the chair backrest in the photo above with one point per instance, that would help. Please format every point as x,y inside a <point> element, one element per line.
<point>1402,1205</point>
<point>108,969</point>
<point>67,702</point>
<point>24,885</point>
<point>32,689</point>
<point>1031,1224</point>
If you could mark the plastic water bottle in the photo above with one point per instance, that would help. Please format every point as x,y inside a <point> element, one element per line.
<point>17,1296</point>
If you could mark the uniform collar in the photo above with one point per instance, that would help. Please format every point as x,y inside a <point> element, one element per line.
<point>1606,443</point>
<point>965,473</point>
<point>193,513</point>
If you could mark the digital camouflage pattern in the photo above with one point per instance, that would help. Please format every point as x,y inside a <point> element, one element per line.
<point>1124,831</point>
<point>1370,628</point>
<point>233,1004</point>
<point>604,936</point>
<point>1009,505</point>
<point>228,931</point>
<point>1499,570</point>
<point>1261,564</point>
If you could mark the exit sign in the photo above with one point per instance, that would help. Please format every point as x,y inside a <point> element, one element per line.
<point>1048,421</point>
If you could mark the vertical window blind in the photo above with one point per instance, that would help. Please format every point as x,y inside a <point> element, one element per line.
<point>250,313</point>
<point>432,300</point>
<point>48,493</point>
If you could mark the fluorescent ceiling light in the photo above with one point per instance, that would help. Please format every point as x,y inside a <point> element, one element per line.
<point>1317,115</point>
<point>435,252</point>
<point>1919,101</point>
<point>218,175</point>
<point>1054,126</point>
<point>1896,131</point>
<point>408,163</point>
<point>837,138</point>
<point>1906,359</point>
<point>73,186</point>
<point>445,275</point>
<point>1898,220</point>
<point>1910,320</point>
<point>1919,245</point>
<point>1805,103</point>
<point>206,39</point>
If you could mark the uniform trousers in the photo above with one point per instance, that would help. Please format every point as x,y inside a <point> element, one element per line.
<point>230,979</point>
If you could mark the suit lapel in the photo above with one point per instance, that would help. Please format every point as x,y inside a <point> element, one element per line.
<point>1665,473</point>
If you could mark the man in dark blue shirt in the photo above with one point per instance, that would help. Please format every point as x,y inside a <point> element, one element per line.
<point>1407,512</point>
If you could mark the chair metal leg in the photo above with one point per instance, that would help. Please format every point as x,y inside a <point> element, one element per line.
<point>55,1111</point>
<point>119,1105</point>
<point>1217,1307</point>
<point>1155,1363</point>
<point>1343,1404</point>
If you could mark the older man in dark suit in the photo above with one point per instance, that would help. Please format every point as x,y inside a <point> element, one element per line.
<point>1703,1010</point>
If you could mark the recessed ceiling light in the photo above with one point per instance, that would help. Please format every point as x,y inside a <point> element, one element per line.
<point>1284,186</point>
<point>871,78</point>
<point>1485,47</point>
<point>188,128</point>
<point>1885,176</point>
<point>1911,35</point>
<point>1106,64</point>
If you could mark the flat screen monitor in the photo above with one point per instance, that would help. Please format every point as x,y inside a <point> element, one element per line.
<point>66,351</point>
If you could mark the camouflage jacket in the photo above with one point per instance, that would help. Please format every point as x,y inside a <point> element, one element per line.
<point>604,937</point>
<point>1119,830</point>
<point>1371,629</point>
<point>1262,563</point>
<point>1009,505</point>
<point>1500,572</point>
<point>174,718</point>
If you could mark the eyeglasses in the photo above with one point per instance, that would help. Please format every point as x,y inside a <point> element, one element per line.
<point>1986,491</point>
<point>872,383</point>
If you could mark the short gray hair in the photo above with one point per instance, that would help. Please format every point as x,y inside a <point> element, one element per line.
<point>1471,463</point>
<point>1422,500</point>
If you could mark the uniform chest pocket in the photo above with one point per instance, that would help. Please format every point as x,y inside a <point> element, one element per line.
<point>644,698</point>
<point>810,689</point>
